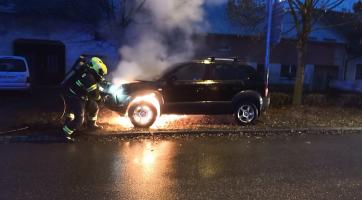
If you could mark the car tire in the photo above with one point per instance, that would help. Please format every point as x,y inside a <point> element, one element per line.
<point>246,113</point>
<point>142,114</point>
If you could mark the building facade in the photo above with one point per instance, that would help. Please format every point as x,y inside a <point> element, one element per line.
<point>51,46</point>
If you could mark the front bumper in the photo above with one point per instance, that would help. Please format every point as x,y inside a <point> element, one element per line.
<point>114,104</point>
<point>115,97</point>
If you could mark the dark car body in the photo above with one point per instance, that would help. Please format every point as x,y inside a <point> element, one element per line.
<point>200,87</point>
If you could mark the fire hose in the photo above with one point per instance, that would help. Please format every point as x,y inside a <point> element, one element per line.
<point>14,130</point>
<point>64,106</point>
<point>27,127</point>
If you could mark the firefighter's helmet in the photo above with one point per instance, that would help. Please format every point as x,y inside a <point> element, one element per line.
<point>98,66</point>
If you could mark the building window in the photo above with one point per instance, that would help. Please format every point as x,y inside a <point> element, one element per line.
<point>359,72</point>
<point>329,40</point>
<point>288,71</point>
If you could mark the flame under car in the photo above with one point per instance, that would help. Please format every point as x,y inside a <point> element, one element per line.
<point>219,86</point>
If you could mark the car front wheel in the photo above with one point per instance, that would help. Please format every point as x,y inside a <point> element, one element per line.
<point>246,113</point>
<point>142,114</point>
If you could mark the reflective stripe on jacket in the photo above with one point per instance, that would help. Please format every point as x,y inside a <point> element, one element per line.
<point>84,86</point>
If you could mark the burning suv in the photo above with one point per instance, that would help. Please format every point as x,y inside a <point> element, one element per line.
<point>211,86</point>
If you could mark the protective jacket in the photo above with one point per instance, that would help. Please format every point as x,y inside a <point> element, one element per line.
<point>84,85</point>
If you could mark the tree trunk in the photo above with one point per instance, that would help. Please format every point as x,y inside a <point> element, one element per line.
<point>299,79</point>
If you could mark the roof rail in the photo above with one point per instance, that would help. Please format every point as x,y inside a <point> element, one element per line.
<point>212,58</point>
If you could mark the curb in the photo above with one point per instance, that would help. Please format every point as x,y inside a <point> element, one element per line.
<point>247,132</point>
<point>274,130</point>
<point>52,138</point>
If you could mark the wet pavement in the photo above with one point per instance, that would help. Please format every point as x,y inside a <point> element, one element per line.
<point>278,167</point>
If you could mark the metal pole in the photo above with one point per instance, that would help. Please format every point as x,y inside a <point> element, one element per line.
<point>268,34</point>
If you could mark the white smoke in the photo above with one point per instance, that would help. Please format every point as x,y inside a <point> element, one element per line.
<point>161,36</point>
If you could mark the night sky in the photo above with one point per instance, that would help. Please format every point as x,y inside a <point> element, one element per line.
<point>347,5</point>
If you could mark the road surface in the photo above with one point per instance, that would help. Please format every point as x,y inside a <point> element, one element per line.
<point>280,167</point>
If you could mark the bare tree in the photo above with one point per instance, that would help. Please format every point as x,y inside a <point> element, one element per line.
<point>249,13</point>
<point>108,7</point>
<point>357,7</point>
<point>305,14</point>
<point>128,11</point>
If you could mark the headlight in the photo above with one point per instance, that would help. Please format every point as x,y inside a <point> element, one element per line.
<point>118,94</point>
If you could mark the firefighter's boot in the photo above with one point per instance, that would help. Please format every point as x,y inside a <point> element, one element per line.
<point>68,134</point>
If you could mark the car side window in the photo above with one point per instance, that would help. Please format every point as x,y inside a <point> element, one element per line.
<point>189,72</point>
<point>232,72</point>
<point>12,65</point>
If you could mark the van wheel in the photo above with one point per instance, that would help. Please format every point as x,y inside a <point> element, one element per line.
<point>142,114</point>
<point>246,113</point>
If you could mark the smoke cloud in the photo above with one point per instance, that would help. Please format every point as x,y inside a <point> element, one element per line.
<point>160,36</point>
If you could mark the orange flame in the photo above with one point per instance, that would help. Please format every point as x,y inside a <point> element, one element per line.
<point>164,120</point>
<point>161,122</point>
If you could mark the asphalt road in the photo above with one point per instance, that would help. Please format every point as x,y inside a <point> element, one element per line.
<point>280,167</point>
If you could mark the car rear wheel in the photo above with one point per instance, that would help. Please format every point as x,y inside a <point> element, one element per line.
<point>142,114</point>
<point>246,113</point>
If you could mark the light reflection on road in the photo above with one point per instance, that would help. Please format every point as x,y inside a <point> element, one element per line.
<point>145,164</point>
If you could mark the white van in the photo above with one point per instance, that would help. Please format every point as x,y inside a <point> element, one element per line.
<point>14,73</point>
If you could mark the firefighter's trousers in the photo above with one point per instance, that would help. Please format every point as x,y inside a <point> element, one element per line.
<point>78,110</point>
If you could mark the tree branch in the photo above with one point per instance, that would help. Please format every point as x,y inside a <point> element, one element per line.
<point>294,15</point>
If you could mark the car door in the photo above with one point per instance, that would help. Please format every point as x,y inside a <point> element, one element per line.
<point>225,81</point>
<point>183,89</point>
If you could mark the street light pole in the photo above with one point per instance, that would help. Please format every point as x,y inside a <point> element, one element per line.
<point>268,35</point>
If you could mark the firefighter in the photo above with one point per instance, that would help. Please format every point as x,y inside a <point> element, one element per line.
<point>82,96</point>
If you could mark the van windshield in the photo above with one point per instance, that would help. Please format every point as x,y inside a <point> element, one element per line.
<point>12,65</point>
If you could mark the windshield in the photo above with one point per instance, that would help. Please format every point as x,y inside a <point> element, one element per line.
<point>12,65</point>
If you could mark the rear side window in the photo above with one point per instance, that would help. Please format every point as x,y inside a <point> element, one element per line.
<point>232,72</point>
<point>12,65</point>
<point>191,71</point>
